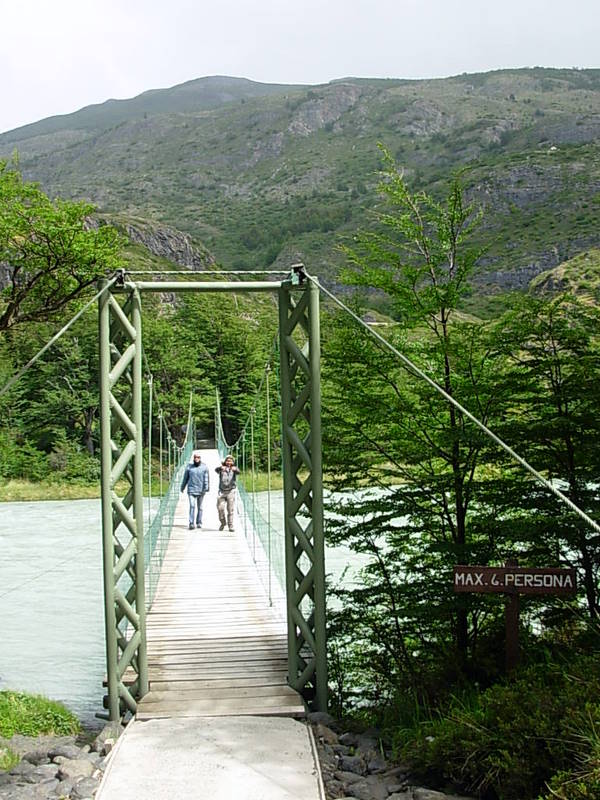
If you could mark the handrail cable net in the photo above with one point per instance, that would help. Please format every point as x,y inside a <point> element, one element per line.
<point>260,507</point>
<point>158,527</point>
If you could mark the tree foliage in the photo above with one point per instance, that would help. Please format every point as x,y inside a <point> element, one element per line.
<point>49,250</point>
<point>416,487</point>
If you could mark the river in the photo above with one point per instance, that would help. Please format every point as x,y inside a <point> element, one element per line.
<point>51,600</point>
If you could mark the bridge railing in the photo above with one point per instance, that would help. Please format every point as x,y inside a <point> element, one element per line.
<point>266,543</point>
<point>262,524</point>
<point>158,534</point>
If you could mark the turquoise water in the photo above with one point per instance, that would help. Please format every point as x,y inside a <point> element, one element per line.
<point>51,598</point>
<point>51,602</point>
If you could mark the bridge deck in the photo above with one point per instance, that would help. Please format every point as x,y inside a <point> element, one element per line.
<point>215,648</point>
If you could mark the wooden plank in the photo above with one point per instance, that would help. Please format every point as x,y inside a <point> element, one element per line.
<point>215,647</point>
<point>220,706</point>
<point>214,692</point>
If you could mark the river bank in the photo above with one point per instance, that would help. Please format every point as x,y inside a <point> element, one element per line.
<point>353,765</point>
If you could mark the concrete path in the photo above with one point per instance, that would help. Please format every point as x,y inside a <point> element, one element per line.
<point>216,758</point>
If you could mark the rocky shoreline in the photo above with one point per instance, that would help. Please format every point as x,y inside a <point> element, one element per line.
<point>354,766</point>
<point>52,767</point>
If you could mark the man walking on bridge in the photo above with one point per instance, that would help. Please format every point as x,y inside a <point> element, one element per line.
<point>196,479</point>
<point>227,483</point>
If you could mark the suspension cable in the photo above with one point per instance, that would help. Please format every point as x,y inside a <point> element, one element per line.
<point>268,479</point>
<point>419,373</point>
<point>55,338</point>
<point>150,393</point>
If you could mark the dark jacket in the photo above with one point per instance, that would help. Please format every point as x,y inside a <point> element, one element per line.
<point>195,478</point>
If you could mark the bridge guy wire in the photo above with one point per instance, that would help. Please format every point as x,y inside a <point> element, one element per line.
<point>419,373</point>
<point>55,338</point>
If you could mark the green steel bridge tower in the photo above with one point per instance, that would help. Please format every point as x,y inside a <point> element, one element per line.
<point>121,382</point>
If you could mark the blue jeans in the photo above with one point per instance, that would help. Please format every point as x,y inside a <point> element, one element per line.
<point>196,508</point>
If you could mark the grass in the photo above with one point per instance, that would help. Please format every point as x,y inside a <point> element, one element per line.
<point>31,715</point>
<point>16,491</point>
<point>8,759</point>
<point>19,490</point>
<point>261,481</point>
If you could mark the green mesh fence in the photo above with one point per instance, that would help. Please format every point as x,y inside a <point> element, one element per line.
<point>156,538</point>
<point>261,515</point>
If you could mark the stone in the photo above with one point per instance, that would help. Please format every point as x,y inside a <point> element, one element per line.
<point>37,757</point>
<point>376,765</point>
<point>353,764</point>
<point>395,772</point>
<point>341,749</point>
<point>395,788</point>
<point>335,789</point>
<point>421,793</point>
<point>75,768</point>
<point>367,741</point>
<point>45,772</point>
<point>347,777</point>
<point>69,751</point>
<point>110,731</point>
<point>321,717</point>
<point>325,734</point>
<point>400,796</point>
<point>25,792</point>
<point>368,790</point>
<point>23,770</point>
<point>348,739</point>
<point>84,788</point>
<point>64,788</point>
<point>24,744</point>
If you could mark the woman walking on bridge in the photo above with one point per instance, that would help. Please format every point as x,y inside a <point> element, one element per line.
<point>228,473</point>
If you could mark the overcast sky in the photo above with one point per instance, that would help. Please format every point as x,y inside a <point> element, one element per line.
<point>59,55</point>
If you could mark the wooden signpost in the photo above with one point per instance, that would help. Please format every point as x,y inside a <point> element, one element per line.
<point>513,581</point>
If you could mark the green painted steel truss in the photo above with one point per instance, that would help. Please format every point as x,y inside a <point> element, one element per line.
<point>122,464</point>
<point>303,492</point>
<point>122,512</point>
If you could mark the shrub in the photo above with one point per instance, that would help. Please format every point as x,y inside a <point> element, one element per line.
<point>513,737</point>
<point>68,461</point>
<point>20,459</point>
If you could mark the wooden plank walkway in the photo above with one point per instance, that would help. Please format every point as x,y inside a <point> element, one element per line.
<point>215,647</point>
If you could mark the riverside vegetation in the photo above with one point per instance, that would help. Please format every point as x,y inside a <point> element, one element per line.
<point>44,753</point>
<point>406,654</point>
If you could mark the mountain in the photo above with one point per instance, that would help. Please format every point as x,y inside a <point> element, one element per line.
<point>195,95</point>
<point>264,174</point>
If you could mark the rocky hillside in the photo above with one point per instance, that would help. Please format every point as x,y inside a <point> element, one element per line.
<point>261,180</point>
<point>165,243</point>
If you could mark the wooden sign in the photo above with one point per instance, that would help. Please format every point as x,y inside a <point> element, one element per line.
<point>515,580</point>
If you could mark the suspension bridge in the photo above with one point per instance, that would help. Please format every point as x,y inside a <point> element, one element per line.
<point>215,640</point>
<point>195,642</point>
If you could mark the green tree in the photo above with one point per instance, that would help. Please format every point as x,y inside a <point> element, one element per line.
<point>552,349</point>
<point>49,250</point>
<point>429,506</point>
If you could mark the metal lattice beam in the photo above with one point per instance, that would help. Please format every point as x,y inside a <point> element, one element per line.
<point>303,491</point>
<point>122,516</point>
